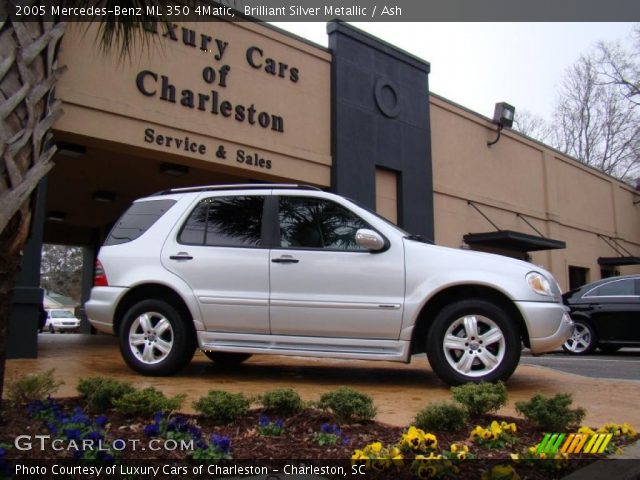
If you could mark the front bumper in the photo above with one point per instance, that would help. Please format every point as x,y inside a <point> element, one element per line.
<point>66,325</point>
<point>548,324</point>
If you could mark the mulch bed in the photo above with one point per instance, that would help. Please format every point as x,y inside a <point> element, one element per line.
<point>296,443</point>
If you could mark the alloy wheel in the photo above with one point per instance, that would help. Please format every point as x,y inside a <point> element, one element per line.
<point>151,338</point>
<point>581,339</point>
<point>474,345</point>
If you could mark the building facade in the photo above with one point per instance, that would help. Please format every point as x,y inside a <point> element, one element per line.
<point>221,102</point>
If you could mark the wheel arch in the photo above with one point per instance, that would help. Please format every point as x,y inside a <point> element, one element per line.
<point>152,291</point>
<point>460,292</point>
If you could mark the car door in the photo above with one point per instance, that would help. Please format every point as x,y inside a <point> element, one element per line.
<point>219,253</point>
<point>614,308</point>
<point>323,284</point>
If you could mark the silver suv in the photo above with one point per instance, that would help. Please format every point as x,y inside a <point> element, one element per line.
<point>293,270</point>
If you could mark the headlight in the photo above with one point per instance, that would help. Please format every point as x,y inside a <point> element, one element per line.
<point>539,284</point>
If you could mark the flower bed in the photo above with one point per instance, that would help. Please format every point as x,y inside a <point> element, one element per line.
<point>394,451</point>
<point>334,431</point>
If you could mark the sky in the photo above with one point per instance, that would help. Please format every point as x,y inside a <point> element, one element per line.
<point>479,64</point>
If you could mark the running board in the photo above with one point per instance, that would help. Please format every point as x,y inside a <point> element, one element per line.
<point>391,350</point>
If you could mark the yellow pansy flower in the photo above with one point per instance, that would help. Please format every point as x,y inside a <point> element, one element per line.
<point>375,447</point>
<point>430,440</point>
<point>628,430</point>
<point>359,455</point>
<point>379,464</point>
<point>509,427</point>
<point>585,430</point>
<point>413,438</point>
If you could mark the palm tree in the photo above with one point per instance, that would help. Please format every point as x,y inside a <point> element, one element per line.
<point>28,109</point>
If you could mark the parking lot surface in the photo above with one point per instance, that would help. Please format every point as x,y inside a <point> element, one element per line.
<point>624,364</point>
<point>398,390</point>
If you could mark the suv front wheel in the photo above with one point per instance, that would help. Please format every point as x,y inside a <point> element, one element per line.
<point>154,338</point>
<point>472,341</point>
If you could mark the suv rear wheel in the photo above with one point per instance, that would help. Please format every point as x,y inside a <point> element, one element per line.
<point>472,341</point>
<point>154,338</point>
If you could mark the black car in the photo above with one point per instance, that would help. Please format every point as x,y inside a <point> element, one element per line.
<point>606,314</point>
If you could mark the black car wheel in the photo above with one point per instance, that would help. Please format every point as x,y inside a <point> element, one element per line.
<point>155,338</point>
<point>227,358</point>
<point>472,341</point>
<point>583,340</point>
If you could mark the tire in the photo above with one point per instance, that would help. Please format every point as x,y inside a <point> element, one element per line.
<point>609,348</point>
<point>51,329</point>
<point>155,339</point>
<point>583,341</point>
<point>227,358</point>
<point>457,341</point>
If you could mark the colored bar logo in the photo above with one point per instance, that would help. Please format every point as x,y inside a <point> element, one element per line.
<point>574,443</point>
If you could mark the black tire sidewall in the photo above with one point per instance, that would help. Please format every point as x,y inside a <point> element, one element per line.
<point>183,343</point>
<point>452,312</point>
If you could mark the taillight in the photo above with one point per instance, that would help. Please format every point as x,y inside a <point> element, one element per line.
<point>100,277</point>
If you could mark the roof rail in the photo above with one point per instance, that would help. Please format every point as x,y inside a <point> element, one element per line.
<point>240,186</point>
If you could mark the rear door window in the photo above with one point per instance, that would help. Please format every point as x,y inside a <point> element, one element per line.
<point>234,221</point>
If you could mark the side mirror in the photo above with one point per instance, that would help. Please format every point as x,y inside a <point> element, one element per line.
<point>369,239</point>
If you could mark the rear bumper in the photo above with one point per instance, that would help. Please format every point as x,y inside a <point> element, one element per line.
<point>101,307</point>
<point>548,324</point>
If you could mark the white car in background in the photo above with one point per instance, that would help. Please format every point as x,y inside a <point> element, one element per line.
<point>61,319</point>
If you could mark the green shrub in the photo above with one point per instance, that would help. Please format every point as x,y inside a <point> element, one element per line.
<point>446,416</point>
<point>282,401</point>
<point>221,406</point>
<point>551,414</point>
<point>35,386</point>
<point>101,392</point>
<point>147,402</point>
<point>481,398</point>
<point>348,405</point>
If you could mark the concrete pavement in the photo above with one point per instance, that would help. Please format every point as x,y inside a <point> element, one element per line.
<point>398,390</point>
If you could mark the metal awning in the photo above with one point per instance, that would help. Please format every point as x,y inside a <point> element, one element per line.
<point>516,241</point>
<point>618,261</point>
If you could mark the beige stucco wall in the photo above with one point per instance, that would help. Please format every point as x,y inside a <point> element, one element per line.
<point>562,198</point>
<point>102,101</point>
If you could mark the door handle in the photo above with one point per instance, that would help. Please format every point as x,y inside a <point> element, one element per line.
<point>181,256</point>
<point>285,259</point>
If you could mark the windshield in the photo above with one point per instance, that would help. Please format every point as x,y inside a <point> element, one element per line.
<point>373,212</point>
<point>61,314</point>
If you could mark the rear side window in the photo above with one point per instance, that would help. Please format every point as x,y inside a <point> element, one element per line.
<point>617,288</point>
<point>137,220</point>
<point>234,221</point>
